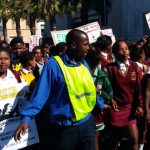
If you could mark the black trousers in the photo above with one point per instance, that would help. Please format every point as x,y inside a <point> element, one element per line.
<point>80,137</point>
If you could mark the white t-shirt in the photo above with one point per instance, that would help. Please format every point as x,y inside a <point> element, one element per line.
<point>9,79</point>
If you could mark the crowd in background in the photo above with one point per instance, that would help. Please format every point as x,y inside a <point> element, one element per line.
<point>121,73</point>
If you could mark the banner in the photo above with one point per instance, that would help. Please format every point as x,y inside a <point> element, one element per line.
<point>12,98</point>
<point>109,32</point>
<point>59,36</point>
<point>91,29</point>
<point>148,19</point>
<point>33,41</point>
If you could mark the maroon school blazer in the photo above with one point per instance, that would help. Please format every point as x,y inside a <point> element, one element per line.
<point>127,93</point>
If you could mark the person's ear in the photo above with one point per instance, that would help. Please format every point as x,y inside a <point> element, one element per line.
<point>73,45</point>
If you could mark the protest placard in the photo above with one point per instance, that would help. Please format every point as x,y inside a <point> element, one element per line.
<point>147,15</point>
<point>92,30</point>
<point>109,32</point>
<point>59,36</point>
<point>12,98</point>
<point>33,41</point>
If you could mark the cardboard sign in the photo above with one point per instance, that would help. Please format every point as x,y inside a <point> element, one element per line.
<point>91,29</point>
<point>33,41</point>
<point>109,32</point>
<point>59,36</point>
<point>148,19</point>
<point>12,98</point>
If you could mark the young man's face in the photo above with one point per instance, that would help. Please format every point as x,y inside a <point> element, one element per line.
<point>32,62</point>
<point>4,61</point>
<point>46,48</point>
<point>109,47</point>
<point>18,49</point>
<point>82,47</point>
<point>122,54</point>
<point>38,54</point>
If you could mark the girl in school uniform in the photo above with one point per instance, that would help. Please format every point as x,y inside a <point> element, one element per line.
<point>127,101</point>
<point>104,45</point>
<point>137,54</point>
<point>104,89</point>
<point>7,76</point>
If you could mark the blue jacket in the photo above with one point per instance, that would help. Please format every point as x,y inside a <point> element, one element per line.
<point>51,90</point>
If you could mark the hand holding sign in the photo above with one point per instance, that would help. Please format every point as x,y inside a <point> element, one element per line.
<point>20,131</point>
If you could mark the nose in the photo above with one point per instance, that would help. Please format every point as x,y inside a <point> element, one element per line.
<point>124,50</point>
<point>3,61</point>
<point>87,47</point>
<point>18,50</point>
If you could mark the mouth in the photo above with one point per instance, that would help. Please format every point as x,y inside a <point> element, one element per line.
<point>3,66</point>
<point>86,51</point>
<point>126,56</point>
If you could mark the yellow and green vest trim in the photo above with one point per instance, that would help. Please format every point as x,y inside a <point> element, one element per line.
<point>81,88</point>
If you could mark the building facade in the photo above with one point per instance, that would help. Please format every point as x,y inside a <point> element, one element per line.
<point>126,18</point>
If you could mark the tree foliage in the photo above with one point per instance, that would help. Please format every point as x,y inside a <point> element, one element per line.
<point>47,9</point>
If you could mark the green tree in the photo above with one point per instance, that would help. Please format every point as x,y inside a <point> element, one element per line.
<point>48,9</point>
<point>19,10</point>
<point>36,9</point>
<point>32,15</point>
<point>4,15</point>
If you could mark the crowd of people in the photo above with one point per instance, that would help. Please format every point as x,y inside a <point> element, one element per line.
<point>83,96</point>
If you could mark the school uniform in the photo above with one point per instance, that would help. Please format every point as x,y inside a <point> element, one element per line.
<point>51,89</point>
<point>144,68</point>
<point>40,66</point>
<point>125,80</point>
<point>10,79</point>
<point>104,89</point>
<point>105,59</point>
<point>27,76</point>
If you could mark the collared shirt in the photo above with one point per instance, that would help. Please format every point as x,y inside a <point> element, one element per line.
<point>123,66</point>
<point>52,90</point>
<point>25,71</point>
<point>104,55</point>
<point>40,66</point>
<point>9,79</point>
<point>27,76</point>
<point>145,68</point>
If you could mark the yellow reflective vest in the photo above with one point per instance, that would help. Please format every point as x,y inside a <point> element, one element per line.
<point>80,87</point>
